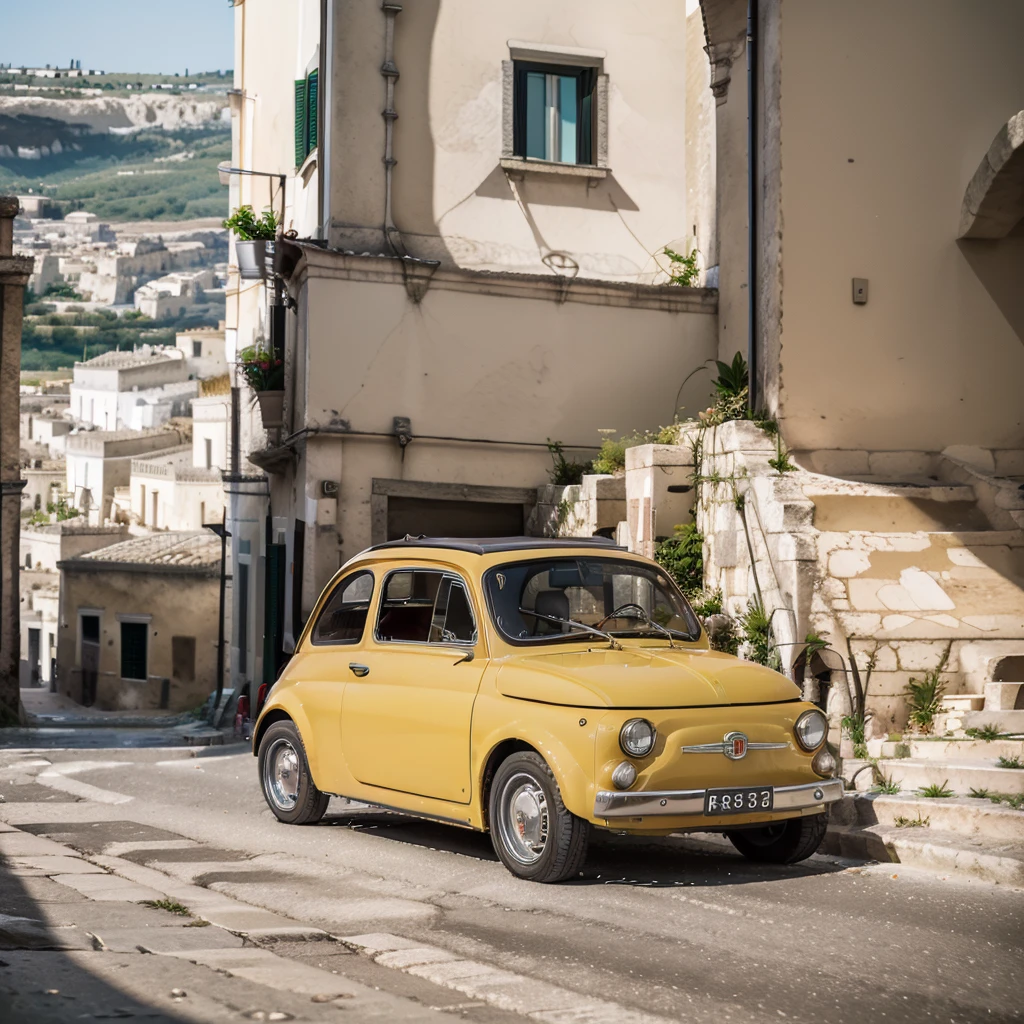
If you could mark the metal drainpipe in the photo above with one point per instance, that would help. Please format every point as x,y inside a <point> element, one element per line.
<point>390,72</point>
<point>752,366</point>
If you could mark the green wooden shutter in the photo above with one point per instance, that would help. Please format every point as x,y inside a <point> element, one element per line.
<point>312,121</point>
<point>300,121</point>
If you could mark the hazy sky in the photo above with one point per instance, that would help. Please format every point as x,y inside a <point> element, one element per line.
<point>150,36</point>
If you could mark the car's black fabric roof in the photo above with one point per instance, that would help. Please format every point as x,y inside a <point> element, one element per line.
<point>487,545</point>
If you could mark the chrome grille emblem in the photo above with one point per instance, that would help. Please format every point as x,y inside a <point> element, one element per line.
<point>734,745</point>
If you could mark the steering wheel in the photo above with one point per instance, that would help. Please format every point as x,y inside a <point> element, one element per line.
<point>622,607</point>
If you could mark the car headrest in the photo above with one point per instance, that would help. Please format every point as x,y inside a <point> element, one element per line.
<point>553,603</point>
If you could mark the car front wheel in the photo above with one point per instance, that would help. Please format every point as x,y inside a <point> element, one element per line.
<point>533,834</point>
<point>782,842</point>
<point>284,775</point>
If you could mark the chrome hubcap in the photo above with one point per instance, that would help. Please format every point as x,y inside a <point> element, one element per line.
<point>523,818</point>
<point>281,775</point>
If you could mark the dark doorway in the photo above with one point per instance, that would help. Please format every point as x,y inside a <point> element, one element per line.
<point>34,641</point>
<point>273,613</point>
<point>90,657</point>
<point>440,518</point>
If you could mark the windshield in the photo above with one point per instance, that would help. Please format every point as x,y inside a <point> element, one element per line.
<point>547,600</point>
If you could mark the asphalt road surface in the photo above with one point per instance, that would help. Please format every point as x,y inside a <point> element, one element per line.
<point>378,917</point>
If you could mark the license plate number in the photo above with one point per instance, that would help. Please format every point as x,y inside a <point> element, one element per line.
<point>742,800</point>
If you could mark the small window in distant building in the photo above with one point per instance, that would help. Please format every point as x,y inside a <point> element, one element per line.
<point>197,349</point>
<point>306,117</point>
<point>38,502</point>
<point>554,112</point>
<point>134,638</point>
<point>28,560</point>
<point>208,442</point>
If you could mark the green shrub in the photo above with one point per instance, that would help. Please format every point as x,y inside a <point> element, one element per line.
<point>565,471</point>
<point>756,626</point>
<point>925,696</point>
<point>682,556</point>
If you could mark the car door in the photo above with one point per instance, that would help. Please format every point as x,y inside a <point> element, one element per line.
<point>320,672</point>
<point>408,705</point>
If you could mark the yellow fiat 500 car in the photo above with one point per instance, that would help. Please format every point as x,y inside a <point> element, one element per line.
<point>538,689</point>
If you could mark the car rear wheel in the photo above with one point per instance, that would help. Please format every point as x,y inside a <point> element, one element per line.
<point>533,834</point>
<point>284,775</point>
<point>782,842</point>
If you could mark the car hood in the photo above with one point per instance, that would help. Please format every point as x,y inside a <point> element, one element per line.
<point>641,677</point>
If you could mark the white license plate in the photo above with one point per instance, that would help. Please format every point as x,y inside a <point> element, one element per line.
<point>741,800</point>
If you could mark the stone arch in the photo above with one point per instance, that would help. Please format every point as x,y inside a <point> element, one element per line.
<point>994,201</point>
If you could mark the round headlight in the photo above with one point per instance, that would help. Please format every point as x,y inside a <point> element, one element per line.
<point>637,737</point>
<point>624,775</point>
<point>811,729</point>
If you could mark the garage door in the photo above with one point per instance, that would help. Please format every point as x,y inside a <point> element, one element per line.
<point>440,518</point>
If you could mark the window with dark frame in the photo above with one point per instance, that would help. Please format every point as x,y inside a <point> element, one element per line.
<point>425,606</point>
<point>343,618</point>
<point>134,638</point>
<point>553,112</point>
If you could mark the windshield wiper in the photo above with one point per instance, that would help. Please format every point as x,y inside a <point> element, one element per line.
<point>659,627</point>
<point>579,625</point>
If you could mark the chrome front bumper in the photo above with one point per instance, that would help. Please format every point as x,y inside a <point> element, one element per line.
<point>691,801</point>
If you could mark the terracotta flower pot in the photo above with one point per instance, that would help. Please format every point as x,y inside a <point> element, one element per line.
<point>271,408</point>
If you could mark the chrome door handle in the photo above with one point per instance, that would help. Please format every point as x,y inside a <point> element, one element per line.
<point>359,670</point>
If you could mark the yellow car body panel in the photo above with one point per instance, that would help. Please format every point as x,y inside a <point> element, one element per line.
<point>418,732</point>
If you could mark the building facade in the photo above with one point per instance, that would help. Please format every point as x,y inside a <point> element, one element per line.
<point>138,623</point>
<point>484,272</point>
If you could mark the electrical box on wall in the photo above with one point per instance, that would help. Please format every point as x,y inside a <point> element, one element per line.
<point>860,291</point>
<point>328,488</point>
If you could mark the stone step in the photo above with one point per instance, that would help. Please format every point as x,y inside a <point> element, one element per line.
<point>1004,721</point>
<point>948,750</point>
<point>931,849</point>
<point>960,702</point>
<point>960,814</point>
<point>959,776</point>
<point>1004,696</point>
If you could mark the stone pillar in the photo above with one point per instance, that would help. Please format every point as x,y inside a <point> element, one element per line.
<point>14,274</point>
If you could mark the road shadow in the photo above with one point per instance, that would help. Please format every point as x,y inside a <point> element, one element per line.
<point>42,977</point>
<point>652,862</point>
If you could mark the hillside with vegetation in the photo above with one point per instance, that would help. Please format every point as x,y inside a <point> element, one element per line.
<point>123,154</point>
<point>54,341</point>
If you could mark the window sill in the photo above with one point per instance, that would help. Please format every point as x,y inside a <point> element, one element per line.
<point>523,165</point>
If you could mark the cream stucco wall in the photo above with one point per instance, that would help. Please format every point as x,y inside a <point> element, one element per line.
<point>452,200</point>
<point>886,111</point>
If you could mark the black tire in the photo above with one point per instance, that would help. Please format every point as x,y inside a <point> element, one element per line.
<point>552,844</point>
<point>782,842</point>
<point>283,768</point>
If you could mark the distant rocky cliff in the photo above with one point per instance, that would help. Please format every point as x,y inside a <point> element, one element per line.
<point>122,114</point>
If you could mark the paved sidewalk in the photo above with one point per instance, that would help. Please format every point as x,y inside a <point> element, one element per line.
<point>56,721</point>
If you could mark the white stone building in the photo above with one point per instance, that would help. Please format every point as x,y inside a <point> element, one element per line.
<point>108,388</point>
<point>98,461</point>
<point>175,294</point>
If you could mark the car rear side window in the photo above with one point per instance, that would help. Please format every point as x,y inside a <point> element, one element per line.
<point>425,606</point>
<point>343,618</point>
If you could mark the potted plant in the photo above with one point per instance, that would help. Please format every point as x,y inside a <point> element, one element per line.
<point>265,375</point>
<point>254,241</point>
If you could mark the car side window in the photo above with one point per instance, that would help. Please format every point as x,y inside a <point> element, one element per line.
<point>343,617</point>
<point>425,606</point>
<point>453,621</point>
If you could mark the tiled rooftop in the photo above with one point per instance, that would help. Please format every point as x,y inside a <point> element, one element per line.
<point>119,360</point>
<point>200,548</point>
